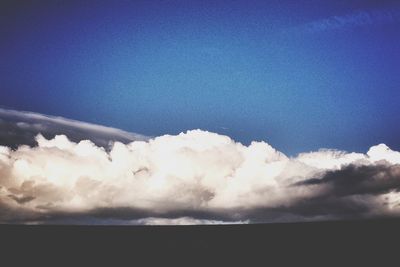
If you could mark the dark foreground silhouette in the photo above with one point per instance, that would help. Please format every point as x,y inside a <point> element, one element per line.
<point>370,241</point>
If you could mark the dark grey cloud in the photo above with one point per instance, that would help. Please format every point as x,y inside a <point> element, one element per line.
<point>358,180</point>
<point>351,192</point>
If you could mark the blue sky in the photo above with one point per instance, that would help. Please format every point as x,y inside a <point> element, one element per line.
<point>300,75</point>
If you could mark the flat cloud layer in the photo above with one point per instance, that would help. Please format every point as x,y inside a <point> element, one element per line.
<point>195,177</point>
<point>21,127</point>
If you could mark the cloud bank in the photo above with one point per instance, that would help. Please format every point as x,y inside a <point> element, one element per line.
<point>197,177</point>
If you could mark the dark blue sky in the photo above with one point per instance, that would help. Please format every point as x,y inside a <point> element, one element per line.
<point>300,75</point>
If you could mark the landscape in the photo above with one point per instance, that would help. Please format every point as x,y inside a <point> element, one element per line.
<point>190,127</point>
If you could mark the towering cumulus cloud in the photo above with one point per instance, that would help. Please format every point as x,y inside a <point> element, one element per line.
<point>194,177</point>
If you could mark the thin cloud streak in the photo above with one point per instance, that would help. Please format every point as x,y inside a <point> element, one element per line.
<point>356,19</point>
<point>21,128</point>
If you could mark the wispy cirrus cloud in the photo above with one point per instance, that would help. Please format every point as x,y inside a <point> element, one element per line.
<point>356,19</point>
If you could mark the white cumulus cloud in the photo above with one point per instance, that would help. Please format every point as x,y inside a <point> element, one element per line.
<point>193,177</point>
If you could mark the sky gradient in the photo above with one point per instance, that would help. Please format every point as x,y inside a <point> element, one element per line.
<point>300,75</point>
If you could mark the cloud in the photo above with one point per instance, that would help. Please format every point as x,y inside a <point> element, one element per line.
<point>21,127</point>
<point>359,180</point>
<point>181,221</point>
<point>197,177</point>
<point>355,19</point>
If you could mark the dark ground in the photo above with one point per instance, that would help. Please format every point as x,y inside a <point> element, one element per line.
<point>347,243</point>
